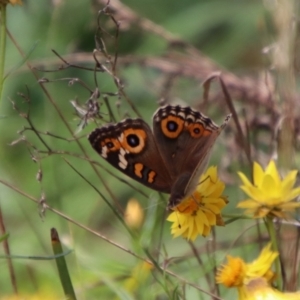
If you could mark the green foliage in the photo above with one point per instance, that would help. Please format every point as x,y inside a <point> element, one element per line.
<point>230,33</point>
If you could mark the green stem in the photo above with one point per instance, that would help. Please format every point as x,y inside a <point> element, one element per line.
<point>233,217</point>
<point>272,234</point>
<point>236,216</point>
<point>63,272</point>
<point>2,46</point>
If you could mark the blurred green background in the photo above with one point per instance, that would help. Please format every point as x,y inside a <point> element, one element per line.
<point>230,32</point>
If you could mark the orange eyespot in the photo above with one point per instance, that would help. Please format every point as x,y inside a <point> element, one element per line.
<point>172,126</point>
<point>197,130</point>
<point>133,140</point>
<point>110,144</point>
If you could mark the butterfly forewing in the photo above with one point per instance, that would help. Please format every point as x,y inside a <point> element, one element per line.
<point>130,147</point>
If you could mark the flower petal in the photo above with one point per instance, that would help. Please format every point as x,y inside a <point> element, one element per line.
<point>289,181</point>
<point>244,179</point>
<point>172,217</point>
<point>200,227</point>
<point>292,194</point>
<point>260,266</point>
<point>262,212</point>
<point>272,170</point>
<point>290,205</point>
<point>211,218</point>
<point>253,192</point>
<point>249,203</point>
<point>206,231</point>
<point>270,188</point>
<point>190,229</point>
<point>213,208</point>
<point>202,216</point>
<point>258,174</point>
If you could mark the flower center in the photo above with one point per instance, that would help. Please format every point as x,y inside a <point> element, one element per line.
<point>191,204</point>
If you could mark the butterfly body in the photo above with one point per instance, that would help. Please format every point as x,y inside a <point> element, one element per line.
<point>170,158</point>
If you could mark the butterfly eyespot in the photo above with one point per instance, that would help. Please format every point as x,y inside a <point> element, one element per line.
<point>196,130</point>
<point>109,145</point>
<point>172,126</point>
<point>133,140</point>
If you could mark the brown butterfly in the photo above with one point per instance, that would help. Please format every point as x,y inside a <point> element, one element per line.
<point>169,159</point>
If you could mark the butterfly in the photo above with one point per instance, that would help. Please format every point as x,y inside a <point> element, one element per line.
<point>170,158</point>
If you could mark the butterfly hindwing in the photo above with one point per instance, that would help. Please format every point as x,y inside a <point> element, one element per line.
<point>185,138</point>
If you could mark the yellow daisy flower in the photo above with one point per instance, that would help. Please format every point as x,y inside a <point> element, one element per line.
<point>269,195</point>
<point>233,273</point>
<point>196,214</point>
<point>259,289</point>
<point>237,273</point>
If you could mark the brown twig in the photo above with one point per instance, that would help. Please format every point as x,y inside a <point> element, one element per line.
<point>63,119</point>
<point>12,274</point>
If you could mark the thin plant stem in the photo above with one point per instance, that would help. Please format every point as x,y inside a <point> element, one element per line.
<point>272,234</point>
<point>12,273</point>
<point>200,262</point>
<point>2,46</point>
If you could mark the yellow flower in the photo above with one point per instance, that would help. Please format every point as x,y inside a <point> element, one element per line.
<point>233,273</point>
<point>261,266</point>
<point>269,195</point>
<point>134,214</point>
<point>196,214</point>
<point>259,289</point>
<point>237,273</point>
